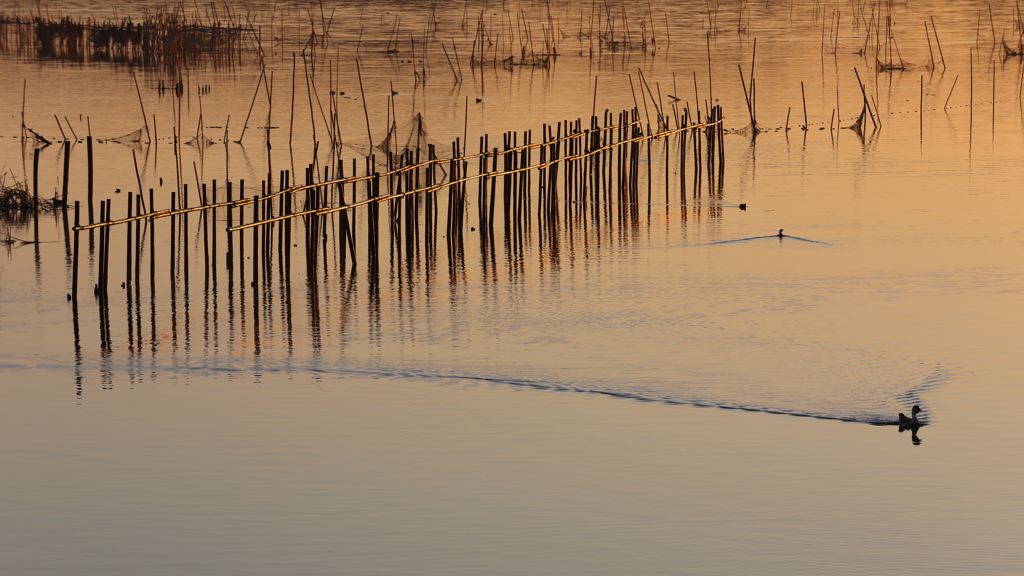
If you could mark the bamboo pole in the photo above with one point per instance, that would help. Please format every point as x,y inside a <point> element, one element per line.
<point>937,44</point>
<point>89,177</point>
<point>803,95</point>
<point>970,131</point>
<point>74,264</point>
<point>35,197</point>
<point>64,180</point>
<point>145,121</point>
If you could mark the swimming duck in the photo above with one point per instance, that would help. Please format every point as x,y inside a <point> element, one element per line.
<point>780,232</point>
<point>912,421</point>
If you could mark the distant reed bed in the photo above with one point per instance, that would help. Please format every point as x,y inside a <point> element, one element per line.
<point>166,39</point>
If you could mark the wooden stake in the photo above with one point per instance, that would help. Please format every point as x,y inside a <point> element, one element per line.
<point>35,197</point>
<point>937,44</point>
<point>803,95</point>
<point>366,113</point>
<point>64,182</point>
<point>145,122</point>
<point>970,131</point>
<point>74,262</point>
<point>89,178</point>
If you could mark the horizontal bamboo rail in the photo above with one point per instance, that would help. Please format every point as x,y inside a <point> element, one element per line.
<point>399,171</point>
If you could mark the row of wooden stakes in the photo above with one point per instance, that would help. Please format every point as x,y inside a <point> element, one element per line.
<point>573,171</point>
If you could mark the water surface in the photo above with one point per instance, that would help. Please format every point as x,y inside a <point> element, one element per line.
<point>616,399</point>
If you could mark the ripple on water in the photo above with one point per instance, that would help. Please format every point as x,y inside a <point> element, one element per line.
<point>690,364</point>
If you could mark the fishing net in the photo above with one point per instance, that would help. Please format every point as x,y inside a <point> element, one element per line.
<point>400,138</point>
<point>752,129</point>
<point>858,125</point>
<point>410,136</point>
<point>200,141</point>
<point>37,139</point>
<point>135,136</point>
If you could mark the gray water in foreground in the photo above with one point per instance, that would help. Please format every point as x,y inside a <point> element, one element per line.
<point>623,404</point>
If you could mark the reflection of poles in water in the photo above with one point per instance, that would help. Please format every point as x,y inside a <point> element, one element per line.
<point>373,304</point>
<point>373,223</point>
<point>185,269</point>
<point>89,187</point>
<point>104,296</point>
<point>255,284</point>
<point>78,362</point>
<point>35,205</point>
<point>343,240</point>
<point>74,286</point>
<point>230,262</point>
<point>99,289</point>
<point>152,274</point>
<point>205,220</point>
<point>213,267</point>
<point>285,257</point>
<point>313,306</point>
<point>212,217</point>
<point>128,246</point>
<point>171,260</point>
<point>138,270</point>
<point>74,262</point>
<point>430,213</point>
<point>127,286</point>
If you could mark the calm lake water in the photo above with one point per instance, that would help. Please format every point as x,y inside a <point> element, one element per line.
<point>618,397</point>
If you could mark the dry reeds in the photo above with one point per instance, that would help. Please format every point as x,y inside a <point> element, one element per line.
<point>17,202</point>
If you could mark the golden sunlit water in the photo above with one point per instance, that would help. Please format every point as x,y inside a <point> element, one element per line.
<point>661,384</point>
